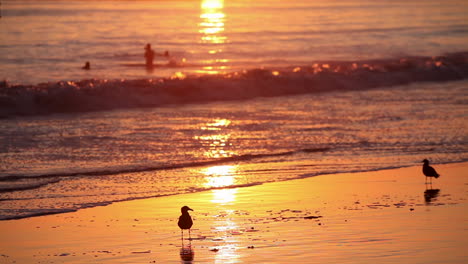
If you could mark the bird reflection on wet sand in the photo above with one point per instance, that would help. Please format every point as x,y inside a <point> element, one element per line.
<point>431,195</point>
<point>187,253</point>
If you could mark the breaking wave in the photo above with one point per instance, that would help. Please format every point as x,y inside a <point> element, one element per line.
<point>98,95</point>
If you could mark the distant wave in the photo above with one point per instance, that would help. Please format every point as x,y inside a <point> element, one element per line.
<point>246,157</point>
<point>98,95</point>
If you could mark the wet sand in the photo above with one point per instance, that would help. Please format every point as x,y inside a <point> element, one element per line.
<point>388,216</point>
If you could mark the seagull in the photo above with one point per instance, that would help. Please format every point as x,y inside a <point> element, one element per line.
<point>429,171</point>
<point>185,221</point>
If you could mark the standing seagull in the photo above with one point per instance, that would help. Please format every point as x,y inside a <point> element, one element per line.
<point>185,221</point>
<point>429,171</point>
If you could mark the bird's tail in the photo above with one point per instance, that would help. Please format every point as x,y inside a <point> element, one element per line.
<point>437,176</point>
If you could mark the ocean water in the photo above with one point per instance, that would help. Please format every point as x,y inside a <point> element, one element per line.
<point>43,41</point>
<point>252,93</point>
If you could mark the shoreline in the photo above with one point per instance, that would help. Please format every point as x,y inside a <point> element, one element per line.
<point>384,216</point>
<point>64,211</point>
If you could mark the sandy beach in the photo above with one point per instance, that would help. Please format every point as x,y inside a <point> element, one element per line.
<point>385,216</point>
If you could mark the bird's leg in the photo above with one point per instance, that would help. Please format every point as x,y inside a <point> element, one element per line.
<point>182,235</point>
<point>190,238</point>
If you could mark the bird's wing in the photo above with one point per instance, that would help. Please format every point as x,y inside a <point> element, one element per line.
<point>180,221</point>
<point>432,171</point>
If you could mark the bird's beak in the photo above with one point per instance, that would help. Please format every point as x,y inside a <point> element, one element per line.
<point>190,209</point>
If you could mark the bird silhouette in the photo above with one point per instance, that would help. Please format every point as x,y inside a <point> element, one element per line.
<point>185,220</point>
<point>429,171</point>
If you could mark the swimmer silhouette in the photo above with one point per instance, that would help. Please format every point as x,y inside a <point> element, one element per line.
<point>429,171</point>
<point>185,221</point>
<point>87,66</point>
<point>149,56</point>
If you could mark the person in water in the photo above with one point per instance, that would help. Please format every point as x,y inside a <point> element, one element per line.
<point>149,55</point>
<point>87,66</point>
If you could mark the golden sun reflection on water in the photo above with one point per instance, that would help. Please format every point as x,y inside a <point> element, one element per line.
<point>217,144</point>
<point>212,4</point>
<point>228,252</point>
<point>218,124</point>
<point>212,24</point>
<point>211,28</point>
<point>224,196</point>
<point>218,177</point>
